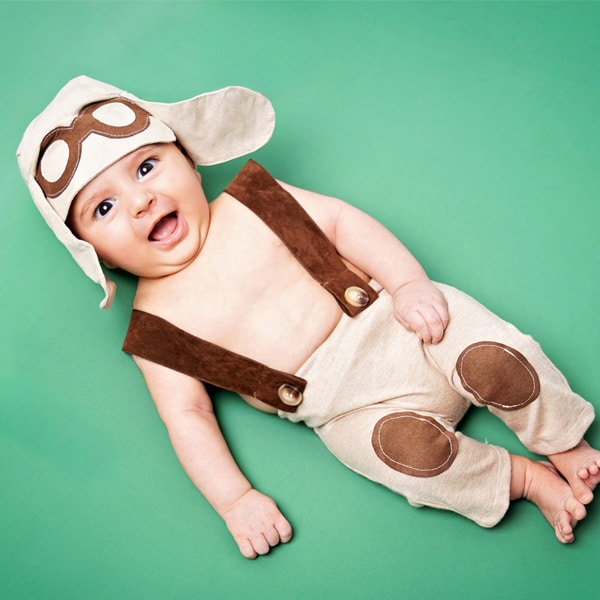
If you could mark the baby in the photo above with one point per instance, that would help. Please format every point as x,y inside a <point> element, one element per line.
<point>302,304</point>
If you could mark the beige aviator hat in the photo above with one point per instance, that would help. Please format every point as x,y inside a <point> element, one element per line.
<point>90,125</point>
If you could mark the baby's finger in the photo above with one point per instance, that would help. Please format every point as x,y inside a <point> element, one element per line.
<point>247,549</point>
<point>437,319</point>
<point>416,322</point>
<point>442,311</point>
<point>436,333</point>
<point>272,536</point>
<point>284,529</point>
<point>260,544</point>
<point>436,329</point>
<point>427,325</point>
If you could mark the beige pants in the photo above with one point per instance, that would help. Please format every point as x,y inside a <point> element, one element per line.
<point>387,405</point>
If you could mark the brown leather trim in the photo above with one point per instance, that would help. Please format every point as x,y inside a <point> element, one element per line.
<point>81,127</point>
<point>259,191</point>
<point>414,444</point>
<point>159,341</point>
<point>498,375</point>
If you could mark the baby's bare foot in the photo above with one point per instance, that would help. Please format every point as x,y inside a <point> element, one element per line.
<point>553,496</point>
<point>581,468</point>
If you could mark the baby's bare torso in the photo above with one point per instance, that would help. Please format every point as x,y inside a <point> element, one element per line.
<point>245,292</point>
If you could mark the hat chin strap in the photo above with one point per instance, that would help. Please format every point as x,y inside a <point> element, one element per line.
<point>86,257</point>
<point>110,290</point>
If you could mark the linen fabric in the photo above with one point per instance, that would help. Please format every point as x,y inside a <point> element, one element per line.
<point>90,125</point>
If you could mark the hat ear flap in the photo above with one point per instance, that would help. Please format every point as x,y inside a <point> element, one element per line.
<point>83,252</point>
<point>218,126</point>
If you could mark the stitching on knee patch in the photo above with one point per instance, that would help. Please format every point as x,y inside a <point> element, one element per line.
<point>414,444</point>
<point>498,375</point>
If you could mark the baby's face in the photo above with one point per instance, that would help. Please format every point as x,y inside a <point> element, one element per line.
<point>146,214</point>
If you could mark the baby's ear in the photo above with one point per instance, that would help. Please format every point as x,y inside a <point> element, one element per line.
<point>185,153</point>
<point>189,159</point>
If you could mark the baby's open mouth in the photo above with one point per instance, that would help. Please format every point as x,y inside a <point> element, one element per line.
<point>164,228</point>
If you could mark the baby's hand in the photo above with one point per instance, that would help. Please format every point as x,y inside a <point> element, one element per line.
<point>256,524</point>
<point>422,308</point>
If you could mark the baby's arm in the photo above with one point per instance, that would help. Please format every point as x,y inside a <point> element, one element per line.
<point>367,244</point>
<point>185,407</point>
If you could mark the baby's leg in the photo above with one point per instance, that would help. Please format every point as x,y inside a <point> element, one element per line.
<point>490,362</point>
<point>431,465</point>
<point>424,460</point>
<point>580,466</point>
<point>540,483</point>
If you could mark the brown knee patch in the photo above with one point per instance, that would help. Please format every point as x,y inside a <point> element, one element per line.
<point>414,444</point>
<point>498,375</point>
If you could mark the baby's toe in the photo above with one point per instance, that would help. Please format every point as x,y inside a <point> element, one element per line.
<point>580,487</point>
<point>575,509</point>
<point>564,527</point>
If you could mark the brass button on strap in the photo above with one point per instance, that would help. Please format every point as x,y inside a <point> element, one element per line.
<point>356,296</point>
<point>289,395</point>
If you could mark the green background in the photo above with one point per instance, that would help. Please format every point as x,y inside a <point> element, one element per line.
<point>470,129</point>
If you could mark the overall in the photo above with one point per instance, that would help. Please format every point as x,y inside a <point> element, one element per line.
<point>385,404</point>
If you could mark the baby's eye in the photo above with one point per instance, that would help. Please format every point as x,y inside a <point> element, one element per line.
<point>146,167</point>
<point>103,208</point>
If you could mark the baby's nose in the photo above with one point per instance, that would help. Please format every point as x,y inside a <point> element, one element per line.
<point>142,201</point>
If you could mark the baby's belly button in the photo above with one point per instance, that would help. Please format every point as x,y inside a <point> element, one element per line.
<point>258,404</point>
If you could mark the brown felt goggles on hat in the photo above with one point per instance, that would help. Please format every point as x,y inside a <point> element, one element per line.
<point>85,123</point>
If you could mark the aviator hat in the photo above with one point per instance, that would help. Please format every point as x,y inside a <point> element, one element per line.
<point>90,125</point>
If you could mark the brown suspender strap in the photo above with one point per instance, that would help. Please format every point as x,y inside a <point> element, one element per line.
<point>155,339</point>
<point>159,341</point>
<point>259,191</point>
